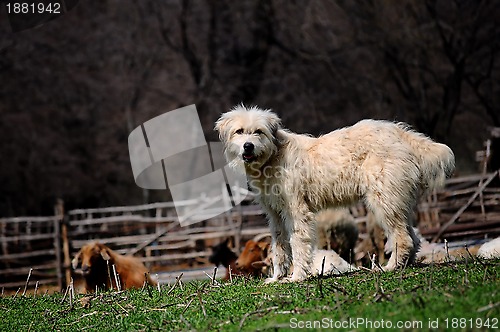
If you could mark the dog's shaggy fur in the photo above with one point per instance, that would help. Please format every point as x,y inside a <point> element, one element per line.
<point>293,176</point>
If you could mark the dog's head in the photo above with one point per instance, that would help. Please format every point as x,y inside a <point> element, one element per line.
<point>249,136</point>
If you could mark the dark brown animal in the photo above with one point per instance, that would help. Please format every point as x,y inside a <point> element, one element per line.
<point>253,252</point>
<point>337,230</point>
<point>97,262</point>
<point>223,255</point>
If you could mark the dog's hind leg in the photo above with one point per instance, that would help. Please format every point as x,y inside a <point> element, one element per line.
<point>281,251</point>
<point>416,244</point>
<point>403,248</point>
<point>394,219</point>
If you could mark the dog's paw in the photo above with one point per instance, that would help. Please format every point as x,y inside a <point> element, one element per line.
<point>268,281</point>
<point>388,267</point>
<point>292,279</point>
<point>299,275</point>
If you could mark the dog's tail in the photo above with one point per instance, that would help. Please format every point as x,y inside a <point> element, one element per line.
<point>436,160</point>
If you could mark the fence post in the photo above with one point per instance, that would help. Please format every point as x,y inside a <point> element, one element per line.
<point>59,216</point>
<point>65,243</point>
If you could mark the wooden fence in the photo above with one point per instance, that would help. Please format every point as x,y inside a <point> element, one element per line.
<point>30,243</point>
<point>152,232</point>
<point>468,206</point>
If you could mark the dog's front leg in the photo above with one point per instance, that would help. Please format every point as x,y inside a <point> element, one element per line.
<point>281,251</point>
<point>303,241</point>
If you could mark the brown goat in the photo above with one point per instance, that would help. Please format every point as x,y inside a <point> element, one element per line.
<point>253,252</point>
<point>96,259</point>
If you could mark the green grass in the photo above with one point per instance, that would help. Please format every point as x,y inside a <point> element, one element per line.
<point>468,291</point>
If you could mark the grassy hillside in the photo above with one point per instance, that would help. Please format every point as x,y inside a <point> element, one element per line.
<point>463,296</point>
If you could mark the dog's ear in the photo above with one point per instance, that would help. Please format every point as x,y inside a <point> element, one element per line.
<point>222,127</point>
<point>273,125</point>
<point>274,122</point>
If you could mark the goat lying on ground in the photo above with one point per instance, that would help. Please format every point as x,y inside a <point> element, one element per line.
<point>490,249</point>
<point>223,255</point>
<point>96,267</point>
<point>334,264</point>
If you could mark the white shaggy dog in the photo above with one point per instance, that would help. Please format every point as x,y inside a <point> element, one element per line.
<point>293,176</point>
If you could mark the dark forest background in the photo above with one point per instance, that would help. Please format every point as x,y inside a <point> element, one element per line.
<point>73,89</point>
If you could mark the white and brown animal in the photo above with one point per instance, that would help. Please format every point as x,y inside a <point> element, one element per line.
<point>384,164</point>
<point>96,266</point>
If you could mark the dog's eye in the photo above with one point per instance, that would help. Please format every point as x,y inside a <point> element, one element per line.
<point>239,131</point>
<point>258,132</point>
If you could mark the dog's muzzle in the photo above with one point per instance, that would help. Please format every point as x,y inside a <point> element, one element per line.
<point>248,152</point>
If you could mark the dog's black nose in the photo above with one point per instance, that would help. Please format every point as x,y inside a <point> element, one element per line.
<point>248,147</point>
